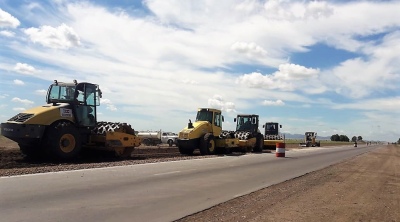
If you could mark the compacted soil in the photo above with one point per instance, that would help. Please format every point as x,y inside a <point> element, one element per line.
<point>364,188</point>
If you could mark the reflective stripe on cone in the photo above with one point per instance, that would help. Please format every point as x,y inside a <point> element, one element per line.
<point>280,150</point>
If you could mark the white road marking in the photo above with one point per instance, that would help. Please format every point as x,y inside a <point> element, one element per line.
<point>161,174</point>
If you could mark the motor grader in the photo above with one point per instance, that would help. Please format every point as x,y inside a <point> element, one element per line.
<point>272,135</point>
<point>310,140</point>
<point>206,134</point>
<point>68,124</point>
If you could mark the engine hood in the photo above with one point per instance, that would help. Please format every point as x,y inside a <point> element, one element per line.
<point>199,128</point>
<point>44,115</point>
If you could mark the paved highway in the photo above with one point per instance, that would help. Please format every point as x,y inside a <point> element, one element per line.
<point>158,191</point>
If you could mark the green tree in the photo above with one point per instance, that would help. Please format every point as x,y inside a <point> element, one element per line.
<point>344,138</point>
<point>359,138</point>
<point>354,139</point>
<point>335,137</point>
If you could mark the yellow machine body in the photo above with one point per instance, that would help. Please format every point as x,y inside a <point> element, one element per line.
<point>114,141</point>
<point>208,125</point>
<point>67,123</point>
<point>46,115</point>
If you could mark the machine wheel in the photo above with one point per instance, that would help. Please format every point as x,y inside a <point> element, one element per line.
<point>147,142</point>
<point>228,150</point>
<point>63,141</point>
<point>170,143</point>
<point>185,151</point>
<point>127,152</point>
<point>31,151</point>
<point>259,144</point>
<point>207,145</point>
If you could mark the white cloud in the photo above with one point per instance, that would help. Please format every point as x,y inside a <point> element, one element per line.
<point>288,78</point>
<point>389,104</point>
<point>18,82</point>
<point>7,33</point>
<point>361,77</point>
<point>189,82</point>
<point>273,103</point>
<point>257,80</point>
<point>4,96</point>
<point>318,9</point>
<point>295,72</point>
<point>7,20</point>
<point>24,68</point>
<point>218,102</point>
<point>41,92</point>
<point>23,101</point>
<point>61,37</point>
<point>249,49</point>
<point>109,104</point>
<point>18,109</point>
<point>292,11</point>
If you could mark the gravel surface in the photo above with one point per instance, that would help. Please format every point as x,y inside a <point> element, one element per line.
<point>364,188</point>
<point>12,162</point>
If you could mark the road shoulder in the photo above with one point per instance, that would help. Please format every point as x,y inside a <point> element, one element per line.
<point>364,188</point>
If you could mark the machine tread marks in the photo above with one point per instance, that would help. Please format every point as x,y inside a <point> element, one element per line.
<point>207,144</point>
<point>63,141</point>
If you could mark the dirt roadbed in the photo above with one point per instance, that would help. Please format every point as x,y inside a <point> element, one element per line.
<point>364,188</point>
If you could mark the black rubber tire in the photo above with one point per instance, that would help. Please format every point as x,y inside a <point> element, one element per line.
<point>259,144</point>
<point>170,143</point>
<point>32,151</point>
<point>185,151</point>
<point>228,151</point>
<point>127,153</point>
<point>63,142</point>
<point>207,145</point>
<point>147,142</point>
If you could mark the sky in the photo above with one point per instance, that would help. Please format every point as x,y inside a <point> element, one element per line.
<point>332,67</point>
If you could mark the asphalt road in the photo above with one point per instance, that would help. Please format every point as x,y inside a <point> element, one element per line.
<point>155,192</point>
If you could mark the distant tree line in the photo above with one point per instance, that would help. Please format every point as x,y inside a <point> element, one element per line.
<point>356,138</point>
<point>344,138</point>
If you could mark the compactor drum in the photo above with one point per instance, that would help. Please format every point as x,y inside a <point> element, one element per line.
<point>67,124</point>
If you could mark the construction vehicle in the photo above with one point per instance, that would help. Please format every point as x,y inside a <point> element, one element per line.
<point>248,133</point>
<point>310,140</point>
<point>206,134</point>
<point>272,136</point>
<point>68,124</point>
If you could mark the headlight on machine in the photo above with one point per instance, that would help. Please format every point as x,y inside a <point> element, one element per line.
<point>183,135</point>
